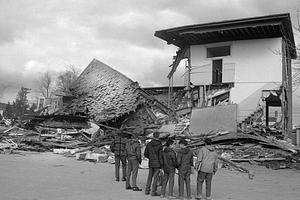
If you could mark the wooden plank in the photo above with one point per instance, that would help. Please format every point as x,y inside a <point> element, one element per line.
<point>240,168</point>
<point>256,159</point>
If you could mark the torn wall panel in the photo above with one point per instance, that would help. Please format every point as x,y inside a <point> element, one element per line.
<point>205,120</point>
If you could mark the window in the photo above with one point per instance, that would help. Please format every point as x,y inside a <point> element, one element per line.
<point>218,51</point>
<point>217,71</point>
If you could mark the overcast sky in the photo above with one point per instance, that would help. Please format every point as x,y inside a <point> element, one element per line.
<point>39,35</point>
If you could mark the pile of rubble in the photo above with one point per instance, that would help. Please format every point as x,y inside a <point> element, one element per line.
<point>116,102</point>
<point>253,148</point>
<point>45,133</point>
<point>93,144</point>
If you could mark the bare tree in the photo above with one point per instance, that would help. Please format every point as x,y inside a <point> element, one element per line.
<point>67,78</point>
<point>46,85</point>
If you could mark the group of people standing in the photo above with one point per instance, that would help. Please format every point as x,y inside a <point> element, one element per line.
<point>164,159</point>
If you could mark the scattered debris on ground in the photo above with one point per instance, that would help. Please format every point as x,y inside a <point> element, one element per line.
<point>106,105</point>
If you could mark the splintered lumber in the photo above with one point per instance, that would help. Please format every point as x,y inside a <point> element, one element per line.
<point>9,129</point>
<point>240,168</point>
<point>99,144</point>
<point>112,128</point>
<point>81,150</point>
<point>257,159</point>
<point>247,137</point>
<point>58,121</point>
<point>86,137</point>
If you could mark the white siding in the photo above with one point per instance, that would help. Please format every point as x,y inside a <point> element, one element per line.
<point>228,72</point>
<point>252,65</point>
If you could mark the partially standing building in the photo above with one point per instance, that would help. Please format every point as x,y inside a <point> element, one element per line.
<point>243,68</point>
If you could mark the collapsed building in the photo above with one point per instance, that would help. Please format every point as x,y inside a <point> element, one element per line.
<point>238,73</point>
<point>109,97</point>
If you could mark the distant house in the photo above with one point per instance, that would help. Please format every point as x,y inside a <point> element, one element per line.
<point>243,68</point>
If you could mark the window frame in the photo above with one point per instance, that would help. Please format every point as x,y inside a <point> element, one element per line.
<point>226,47</point>
<point>217,78</point>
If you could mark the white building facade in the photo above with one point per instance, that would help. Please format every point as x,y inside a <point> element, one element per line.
<point>245,62</point>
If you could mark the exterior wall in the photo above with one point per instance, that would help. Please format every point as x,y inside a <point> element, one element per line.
<point>296,108</point>
<point>253,65</point>
<point>217,118</point>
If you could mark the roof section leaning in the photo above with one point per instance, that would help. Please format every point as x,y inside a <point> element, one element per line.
<point>104,92</point>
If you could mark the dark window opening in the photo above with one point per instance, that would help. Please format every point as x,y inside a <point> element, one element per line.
<point>217,71</point>
<point>218,51</point>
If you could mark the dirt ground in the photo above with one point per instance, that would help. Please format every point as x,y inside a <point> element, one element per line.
<point>46,176</point>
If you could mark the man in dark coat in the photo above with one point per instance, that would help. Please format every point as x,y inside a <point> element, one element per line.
<point>134,157</point>
<point>153,152</point>
<point>169,165</point>
<point>185,163</point>
<point>118,148</point>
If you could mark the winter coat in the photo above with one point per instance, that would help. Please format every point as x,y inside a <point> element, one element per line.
<point>208,158</point>
<point>169,160</point>
<point>133,150</point>
<point>185,160</point>
<point>118,146</point>
<point>153,152</point>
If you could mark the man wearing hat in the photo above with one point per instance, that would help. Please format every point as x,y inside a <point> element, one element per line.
<point>118,148</point>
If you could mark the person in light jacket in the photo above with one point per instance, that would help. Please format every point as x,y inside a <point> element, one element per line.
<point>207,167</point>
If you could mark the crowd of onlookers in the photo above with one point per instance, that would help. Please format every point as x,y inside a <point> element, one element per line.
<point>163,159</point>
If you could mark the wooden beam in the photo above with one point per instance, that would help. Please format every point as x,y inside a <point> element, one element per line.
<point>267,115</point>
<point>284,79</point>
<point>262,29</point>
<point>289,91</point>
<point>180,55</point>
<point>222,28</point>
<point>242,30</point>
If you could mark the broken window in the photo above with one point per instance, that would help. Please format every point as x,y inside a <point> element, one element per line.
<point>218,51</point>
<point>217,71</point>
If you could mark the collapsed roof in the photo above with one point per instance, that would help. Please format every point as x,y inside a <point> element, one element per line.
<point>104,93</point>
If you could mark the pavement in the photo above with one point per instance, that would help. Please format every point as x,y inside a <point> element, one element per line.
<point>48,176</point>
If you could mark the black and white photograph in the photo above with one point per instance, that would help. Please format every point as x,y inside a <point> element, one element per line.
<point>149,99</point>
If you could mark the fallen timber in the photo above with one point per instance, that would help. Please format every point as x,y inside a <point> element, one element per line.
<point>231,137</point>
<point>238,167</point>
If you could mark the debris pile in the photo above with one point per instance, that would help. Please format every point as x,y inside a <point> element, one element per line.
<point>44,133</point>
<point>114,102</point>
<point>256,149</point>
